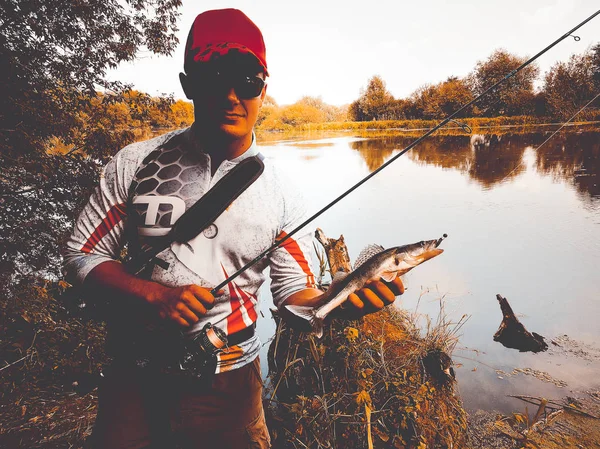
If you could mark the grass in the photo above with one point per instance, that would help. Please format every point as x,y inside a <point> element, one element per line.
<point>364,385</point>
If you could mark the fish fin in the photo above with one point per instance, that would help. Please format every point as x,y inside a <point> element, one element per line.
<point>389,276</point>
<point>317,327</point>
<point>304,312</point>
<point>308,314</point>
<point>368,252</point>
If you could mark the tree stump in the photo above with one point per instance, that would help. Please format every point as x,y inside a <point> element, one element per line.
<point>513,334</point>
<point>336,251</point>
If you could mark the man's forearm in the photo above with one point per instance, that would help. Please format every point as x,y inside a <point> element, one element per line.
<point>111,278</point>
<point>183,305</point>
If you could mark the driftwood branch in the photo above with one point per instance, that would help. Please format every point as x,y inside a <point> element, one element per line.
<point>534,400</point>
<point>513,334</point>
<point>336,251</point>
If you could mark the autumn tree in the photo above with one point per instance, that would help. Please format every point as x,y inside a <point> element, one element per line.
<point>568,86</point>
<point>440,100</point>
<point>516,97</point>
<point>373,103</point>
<point>452,94</point>
<point>423,104</point>
<point>331,113</point>
<point>595,50</point>
<point>301,114</point>
<point>182,114</point>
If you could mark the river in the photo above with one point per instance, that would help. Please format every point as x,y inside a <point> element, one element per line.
<point>523,222</point>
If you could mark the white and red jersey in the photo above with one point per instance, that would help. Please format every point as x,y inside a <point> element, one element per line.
<point>148,185</point>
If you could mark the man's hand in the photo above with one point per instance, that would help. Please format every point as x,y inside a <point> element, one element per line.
<point>373,297</point>
<point>183,305</point>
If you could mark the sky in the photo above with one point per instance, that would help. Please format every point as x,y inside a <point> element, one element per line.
<point>331,48</point>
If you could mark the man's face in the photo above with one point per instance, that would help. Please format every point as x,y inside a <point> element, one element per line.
<point>221,103</point>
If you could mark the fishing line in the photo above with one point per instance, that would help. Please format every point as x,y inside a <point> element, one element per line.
<point>490,89</point>
<point>567,122</point>
<point>552,135</point>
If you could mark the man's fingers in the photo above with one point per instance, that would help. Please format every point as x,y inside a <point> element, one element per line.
<point>187,314</point>
<point>396,286</point>
<point>192,303</point>
<point>383,291</point>
<point>356,301</point>
<point>181,322</point>
<point>370,298</point>
<point>203,295</point>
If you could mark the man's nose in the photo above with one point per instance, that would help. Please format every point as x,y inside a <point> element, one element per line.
<point>231,95</point>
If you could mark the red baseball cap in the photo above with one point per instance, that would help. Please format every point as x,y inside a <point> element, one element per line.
<point>214,33</point>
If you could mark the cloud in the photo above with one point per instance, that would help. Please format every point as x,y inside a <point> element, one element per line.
<point>549,14</point>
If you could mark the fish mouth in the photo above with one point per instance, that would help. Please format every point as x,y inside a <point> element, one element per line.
<point>428,254</point>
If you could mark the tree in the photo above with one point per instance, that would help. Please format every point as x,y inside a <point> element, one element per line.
<point>182,114</point>
<point>452,94</point>
<point>569,86</point>
<point>54,56</point>
<point>374,102</point>
<point>424,103</point>
<point>268,108</point>
<point>514,98</point>
<point>595,51</point>
<point>301,114</point>
<point>441,100</point>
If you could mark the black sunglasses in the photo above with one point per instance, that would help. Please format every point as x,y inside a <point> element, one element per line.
<point>245,87</point>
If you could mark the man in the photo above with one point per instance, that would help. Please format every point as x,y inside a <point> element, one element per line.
<point>144,402</point>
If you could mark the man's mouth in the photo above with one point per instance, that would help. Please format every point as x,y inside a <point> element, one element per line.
<point>231,115</point>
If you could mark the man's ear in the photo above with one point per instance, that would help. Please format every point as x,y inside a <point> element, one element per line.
<point>263,94</point>
<point>185,84</point>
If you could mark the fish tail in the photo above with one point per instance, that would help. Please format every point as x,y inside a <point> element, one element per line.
<point>309,314</point>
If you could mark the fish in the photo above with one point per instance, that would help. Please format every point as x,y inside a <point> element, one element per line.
<point>373,263</point>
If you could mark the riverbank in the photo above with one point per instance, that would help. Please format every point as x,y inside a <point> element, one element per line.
<point>362,386</point>
<point>410,128</point>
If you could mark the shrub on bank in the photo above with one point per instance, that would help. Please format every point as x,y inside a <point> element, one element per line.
<point>415,125</point>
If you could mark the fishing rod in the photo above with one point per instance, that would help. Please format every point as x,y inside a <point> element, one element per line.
<point>490,89</point>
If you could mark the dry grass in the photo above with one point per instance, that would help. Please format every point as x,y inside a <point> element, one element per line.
<point>416,128</point>
<point>364,385</point>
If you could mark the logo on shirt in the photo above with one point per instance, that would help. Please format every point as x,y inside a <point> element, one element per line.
<point>161,213</point>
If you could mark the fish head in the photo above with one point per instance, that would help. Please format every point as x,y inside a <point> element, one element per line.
<point>406,257</point>
<point>424,250</point>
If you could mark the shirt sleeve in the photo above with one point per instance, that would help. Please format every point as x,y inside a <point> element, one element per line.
<point>98,232</point>
<point>291,264</point>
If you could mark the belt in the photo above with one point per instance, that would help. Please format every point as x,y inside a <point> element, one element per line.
<point>241,336</point>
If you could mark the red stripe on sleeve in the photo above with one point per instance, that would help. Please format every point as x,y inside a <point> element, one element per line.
<point>114,215</point>
<point>294,250</point>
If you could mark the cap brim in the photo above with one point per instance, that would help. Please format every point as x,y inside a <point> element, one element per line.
<point>214,51</point>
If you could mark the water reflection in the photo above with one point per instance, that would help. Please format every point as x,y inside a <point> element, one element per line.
<point>573,157</point>
<point>496,159</point>
<point>451,152</point>
<point>374,152</point>
<point>490,160</point>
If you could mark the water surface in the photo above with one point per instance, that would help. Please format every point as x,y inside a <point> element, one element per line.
<point>523,222</point>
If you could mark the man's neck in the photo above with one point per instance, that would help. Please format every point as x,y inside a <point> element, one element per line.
<point>220,147</point>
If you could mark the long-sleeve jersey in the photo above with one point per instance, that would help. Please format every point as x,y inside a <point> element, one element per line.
<point>148,185</point>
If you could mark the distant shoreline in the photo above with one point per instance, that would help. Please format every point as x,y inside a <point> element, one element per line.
<point>455,128</point>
